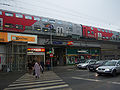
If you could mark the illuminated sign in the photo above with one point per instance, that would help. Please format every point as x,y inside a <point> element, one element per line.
<point>70,43</point>
<point>6,37</point>
<point>36,49</point>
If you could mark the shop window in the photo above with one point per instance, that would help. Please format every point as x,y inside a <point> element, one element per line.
<point>0,12</point>
<point>19,15</point>
<point>28,17</point>
<point>19,26</point>
<point>28,27</point>
<point>37,18</point>
<point>8,25</point>
<point>88,31</point>
<point>37,27</point>
<point>52,21</point>
<point>8,14</point>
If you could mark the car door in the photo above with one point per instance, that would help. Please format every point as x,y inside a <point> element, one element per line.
<point>118,66</point>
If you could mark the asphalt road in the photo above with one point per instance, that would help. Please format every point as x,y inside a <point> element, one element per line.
<point>84,80</point>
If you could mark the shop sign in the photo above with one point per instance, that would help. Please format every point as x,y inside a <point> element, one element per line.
<point>6,37</point>
<point>70,43</point>
<point>36,49</point>
<point>3,37</point>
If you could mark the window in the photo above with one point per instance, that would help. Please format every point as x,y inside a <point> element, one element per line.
<point>107,38</point>
<point>19,15</point>
<point>98,29</point>
<point>103,37</point>
<point>28,17</point>
<point>88,31</point>
<point>45,29</point>
<point>92,32</point>
<point>103,30</point>
<point>37,18</point>
<point>0,12</point>
<point>28,27</point>
<point>19,26</point>
<point>106,31</point>
<point>37,27</point>
<point>8,14</point>
<point>45,20</point>
<point>52,21</point>
<point>109,31</point>
<point>92,28</point>
<point>59,22</point>
<point>8,25</point>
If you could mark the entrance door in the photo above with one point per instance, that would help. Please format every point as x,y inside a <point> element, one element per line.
<point>1,23</point>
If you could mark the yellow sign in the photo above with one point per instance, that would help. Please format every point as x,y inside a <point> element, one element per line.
<point>3,37</point>
<point>22,38</point>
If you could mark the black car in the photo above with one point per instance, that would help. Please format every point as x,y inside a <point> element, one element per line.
<point>92,67</point>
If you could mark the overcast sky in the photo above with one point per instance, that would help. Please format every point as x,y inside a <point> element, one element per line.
<point>99,13</point>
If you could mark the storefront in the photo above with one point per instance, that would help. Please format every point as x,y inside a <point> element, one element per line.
<point>75,55</point>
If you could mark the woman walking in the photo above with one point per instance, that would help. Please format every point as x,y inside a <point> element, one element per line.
<point>37,68</point>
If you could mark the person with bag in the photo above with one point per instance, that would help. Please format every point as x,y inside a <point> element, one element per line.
<point>37,68</point>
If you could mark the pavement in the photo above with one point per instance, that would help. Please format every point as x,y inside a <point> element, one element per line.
<point>49,80</point>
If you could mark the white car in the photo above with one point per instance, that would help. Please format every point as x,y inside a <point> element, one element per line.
<point>84,65</point>
<point>111,67</point>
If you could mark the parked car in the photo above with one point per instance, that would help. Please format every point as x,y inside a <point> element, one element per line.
<point>111,67</point>
<point>92,67</point>
<point>85,64</point>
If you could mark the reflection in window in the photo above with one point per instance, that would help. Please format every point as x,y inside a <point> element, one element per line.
<point>28,17</point>
<point>0,12</point>
<point>8,14</point>
<point>19,15</point>
<point>37,18</point>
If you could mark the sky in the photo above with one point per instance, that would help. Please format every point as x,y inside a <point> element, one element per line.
<point>98,13</point>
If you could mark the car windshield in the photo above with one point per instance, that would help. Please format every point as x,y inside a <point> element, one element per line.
<point>99,62</point>
<point>110,63</point>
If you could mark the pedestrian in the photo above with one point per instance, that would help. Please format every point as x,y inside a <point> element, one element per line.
<point>29,67</point>
<point>37,68</point>
<point>48,64</point>
<point>42,64</point>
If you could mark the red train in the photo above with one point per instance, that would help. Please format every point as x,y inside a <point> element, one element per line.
<point>18,22</point>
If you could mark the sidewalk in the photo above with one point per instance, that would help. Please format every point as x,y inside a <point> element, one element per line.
<point>7,78</point>
<point>47,80</point>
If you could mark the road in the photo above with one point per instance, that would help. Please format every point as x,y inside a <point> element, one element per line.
<point>85,80</point>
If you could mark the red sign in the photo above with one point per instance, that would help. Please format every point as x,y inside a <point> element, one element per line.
<point>51,54</point>
<point>36,49</point>
<point>70,43</point>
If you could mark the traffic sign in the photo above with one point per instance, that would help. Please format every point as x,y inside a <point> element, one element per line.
<point>51,54</point>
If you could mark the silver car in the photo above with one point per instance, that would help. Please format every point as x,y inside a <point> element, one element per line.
<point>111,67</point>
<point>85,65</point>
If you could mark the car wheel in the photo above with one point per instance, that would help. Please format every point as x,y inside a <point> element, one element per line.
<point>114,73</point>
